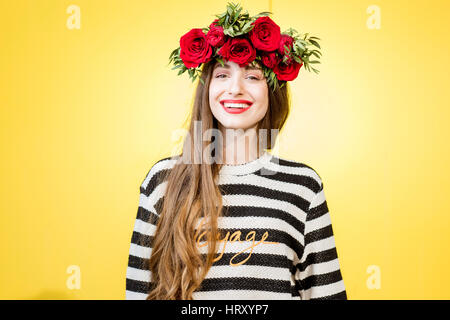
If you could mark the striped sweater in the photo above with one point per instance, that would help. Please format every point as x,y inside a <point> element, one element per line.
<point>277,238</point>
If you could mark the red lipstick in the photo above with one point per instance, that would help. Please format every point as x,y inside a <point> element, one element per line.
<point>235,110</point>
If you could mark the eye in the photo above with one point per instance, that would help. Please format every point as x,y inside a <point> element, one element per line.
<point>219,75</point>
<point>255,78</point>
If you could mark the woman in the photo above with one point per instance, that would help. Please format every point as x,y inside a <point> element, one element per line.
<point>226,219</point>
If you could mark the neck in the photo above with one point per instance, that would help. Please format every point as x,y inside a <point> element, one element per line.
<point>240,146</point>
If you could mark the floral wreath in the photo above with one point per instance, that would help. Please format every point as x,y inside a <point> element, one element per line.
<point>247,40</point>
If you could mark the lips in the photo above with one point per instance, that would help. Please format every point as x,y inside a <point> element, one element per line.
<point>235,110</point>
<point>236,101</point>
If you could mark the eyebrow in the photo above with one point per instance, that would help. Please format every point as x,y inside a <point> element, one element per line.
<point>227,66</point>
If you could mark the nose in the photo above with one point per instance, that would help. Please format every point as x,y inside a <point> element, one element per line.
<point>236,85</point>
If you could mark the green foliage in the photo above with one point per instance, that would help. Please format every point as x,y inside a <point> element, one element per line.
<point>234,23</point>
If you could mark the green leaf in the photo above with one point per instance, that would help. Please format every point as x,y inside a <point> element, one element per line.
<point>247,25</point>
<point>297,59</point>
<point>315,54</point>
<point>299,45</point>
<point>230,10</point>
<point>314,43</point>
<point>314,62</point>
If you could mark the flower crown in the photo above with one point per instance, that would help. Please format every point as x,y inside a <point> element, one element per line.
<point>247,40</point>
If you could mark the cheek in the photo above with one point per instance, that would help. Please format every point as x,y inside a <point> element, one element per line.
<point>213,91</point>
<point>262,96</point>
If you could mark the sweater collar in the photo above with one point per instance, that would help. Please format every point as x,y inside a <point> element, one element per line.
<point>248,167</point>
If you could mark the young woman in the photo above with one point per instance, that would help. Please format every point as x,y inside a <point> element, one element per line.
<point>226,219</point>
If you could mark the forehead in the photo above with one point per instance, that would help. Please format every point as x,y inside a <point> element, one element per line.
<point>227,66</point>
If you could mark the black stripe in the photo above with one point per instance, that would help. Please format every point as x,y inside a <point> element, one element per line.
<point>238,211</point>
<point>306,181</point>
<point>296,288</point>
<point>337,296</point>
<point>321,279</point>
<point>318,211</point>
<point>158,205</point>
<point>157,179</point>
<point>319,234</point>
<point>256,259</point>
<point>248,189</point>
<point>138,262</point>
<point>214,284</point>
<point>318,257</point>
<point>147,216</point>
<point>142,239</point>
<point>137,286</point>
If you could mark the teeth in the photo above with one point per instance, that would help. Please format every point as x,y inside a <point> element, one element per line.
<point>236,105</point>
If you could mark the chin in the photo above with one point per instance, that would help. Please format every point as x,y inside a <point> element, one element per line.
<point>236,125</point>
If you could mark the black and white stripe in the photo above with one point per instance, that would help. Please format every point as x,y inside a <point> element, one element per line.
<point>280,198</point>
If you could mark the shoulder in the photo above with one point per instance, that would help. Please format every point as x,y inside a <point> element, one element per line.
<point>301,172</point>
<point>156,173</point>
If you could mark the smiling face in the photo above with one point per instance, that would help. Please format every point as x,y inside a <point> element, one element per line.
<point>246,87</point>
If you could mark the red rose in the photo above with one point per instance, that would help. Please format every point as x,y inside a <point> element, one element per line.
<point>214,23</point>
<point>215,36</point>
<point>238,50</point>
<point>269,59</point>
<point>287,72</point>
<point>194,48</point>
<point>265,34</point>
<point>285,40</point>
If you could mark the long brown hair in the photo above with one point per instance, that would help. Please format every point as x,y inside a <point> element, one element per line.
<point>176,266</point>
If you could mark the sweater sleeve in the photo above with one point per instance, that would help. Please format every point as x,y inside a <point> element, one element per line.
<point>138,276</point>
<point>318,272</point>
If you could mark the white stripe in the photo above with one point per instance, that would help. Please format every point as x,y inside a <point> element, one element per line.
<point>318,223</point>
<point>140,251</point>
<point>245,270</point>
<point>131,295</point>
<point>148,202</point>
<point>144,227</point>
<point>138,274</point>
<point>318,268</point>
<point>318,246</point>
<point>317,200</point>
<point>240,295</point>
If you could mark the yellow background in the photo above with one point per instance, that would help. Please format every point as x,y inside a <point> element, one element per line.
<point>86,112</point>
